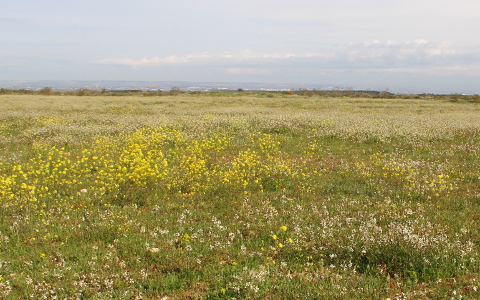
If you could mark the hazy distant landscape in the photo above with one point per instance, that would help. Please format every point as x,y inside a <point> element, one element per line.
<point>70,85</point>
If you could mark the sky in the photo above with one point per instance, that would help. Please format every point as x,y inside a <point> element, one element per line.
<point>430,46</point>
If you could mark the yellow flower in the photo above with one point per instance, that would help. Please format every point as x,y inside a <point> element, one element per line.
<point>274,237</point>
<point>284,228</point>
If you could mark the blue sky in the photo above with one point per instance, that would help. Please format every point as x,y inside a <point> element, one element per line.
<point>405,46</point>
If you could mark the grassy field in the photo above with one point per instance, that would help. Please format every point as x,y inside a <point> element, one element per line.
<point>238,196</point>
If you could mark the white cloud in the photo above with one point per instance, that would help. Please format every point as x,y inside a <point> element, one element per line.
<point>241,56</point>
<point>389,55</point>
<point>172,59</point>
<point>246,71</point>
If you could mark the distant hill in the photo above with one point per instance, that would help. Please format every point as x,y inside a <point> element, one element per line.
<point>157,85</point>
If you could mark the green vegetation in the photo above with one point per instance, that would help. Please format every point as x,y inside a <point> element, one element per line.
<point>336,93</point>
<point>238,195</point>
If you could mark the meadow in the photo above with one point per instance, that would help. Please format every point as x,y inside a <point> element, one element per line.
<point>239,196</point>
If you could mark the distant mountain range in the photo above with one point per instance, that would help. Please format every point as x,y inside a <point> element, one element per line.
<point>66,85</point>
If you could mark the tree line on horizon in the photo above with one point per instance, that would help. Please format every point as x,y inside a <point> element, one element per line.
<point>337,92</point>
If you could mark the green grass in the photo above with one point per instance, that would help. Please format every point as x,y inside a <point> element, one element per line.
<point>240,196</point>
